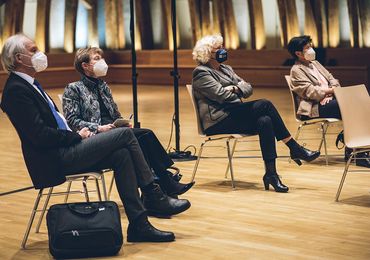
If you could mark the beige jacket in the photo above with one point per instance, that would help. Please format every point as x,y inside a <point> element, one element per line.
<point>308,89</point>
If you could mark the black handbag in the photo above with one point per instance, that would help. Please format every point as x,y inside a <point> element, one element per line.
<point>340,139</point>
<point>86,229</point>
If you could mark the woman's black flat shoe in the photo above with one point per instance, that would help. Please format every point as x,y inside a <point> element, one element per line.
<point>275,182</point>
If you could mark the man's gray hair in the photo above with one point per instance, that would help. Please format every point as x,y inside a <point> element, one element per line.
<point>13,45</point>
<point>203,48</point>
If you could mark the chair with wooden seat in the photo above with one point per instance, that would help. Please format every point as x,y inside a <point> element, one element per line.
<point>212,138</point>
<point>69,178</point>
<point>354,105</point>
<point>323,122</point>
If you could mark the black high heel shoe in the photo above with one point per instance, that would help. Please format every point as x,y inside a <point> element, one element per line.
<point>275,182</point>
<point>304,154</point>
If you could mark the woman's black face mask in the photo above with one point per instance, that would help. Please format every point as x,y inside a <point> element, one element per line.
<point>221,55</point>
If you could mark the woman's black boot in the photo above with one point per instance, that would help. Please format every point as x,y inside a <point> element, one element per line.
<point>275,182</point>
<point>271,178</point>
<point>170,186</point>
<point>298,152</point>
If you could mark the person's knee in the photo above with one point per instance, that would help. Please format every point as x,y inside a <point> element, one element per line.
<point>126,132</point>
<point>264,121</point>
<point>119,157</point>
<point>148,131</point>
<point>266,102</point>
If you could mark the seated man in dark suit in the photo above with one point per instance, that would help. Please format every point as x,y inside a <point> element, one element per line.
<point>89,103</point>
<point>51,150</point>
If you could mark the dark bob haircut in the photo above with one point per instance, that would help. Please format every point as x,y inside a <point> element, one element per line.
<point>297,44</point>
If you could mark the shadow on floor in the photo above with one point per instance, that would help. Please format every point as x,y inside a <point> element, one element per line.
<point>362,201</point>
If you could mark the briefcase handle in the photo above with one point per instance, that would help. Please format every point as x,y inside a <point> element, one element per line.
<point>84,208</point>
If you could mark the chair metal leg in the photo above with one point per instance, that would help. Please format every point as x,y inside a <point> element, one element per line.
<point>67,192</point>
<point>104,187</point>
<point>197,162</point>
<point>98,189</point>
<point>32,217</point>
<point>43,210</point>
<point>111,186</point>
<point>232,155</point>
<point>322,137</point>
<point>230,163</point>
<point>296,137</point>
<point>84,184</point>
<point>343,177</point>
<point>324,129</point>
<point>325,146</point>
<point>298,132</point>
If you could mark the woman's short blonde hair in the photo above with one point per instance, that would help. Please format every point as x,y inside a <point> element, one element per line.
<point>203,48</point>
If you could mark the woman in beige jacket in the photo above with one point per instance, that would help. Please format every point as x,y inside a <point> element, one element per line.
<point>313,84</point>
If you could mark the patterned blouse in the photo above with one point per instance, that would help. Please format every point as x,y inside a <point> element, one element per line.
<point>81,103</point>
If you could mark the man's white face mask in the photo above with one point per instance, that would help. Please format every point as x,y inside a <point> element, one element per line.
<point>39,61</point>
<point>100,68</point>
<point>309,54</point>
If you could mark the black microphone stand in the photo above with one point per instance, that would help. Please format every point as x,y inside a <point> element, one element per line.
<point>177,155</point>
<point>133,65</point>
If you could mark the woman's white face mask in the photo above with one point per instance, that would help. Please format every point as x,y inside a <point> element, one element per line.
<point>100,68</point>
<point>309,54</point>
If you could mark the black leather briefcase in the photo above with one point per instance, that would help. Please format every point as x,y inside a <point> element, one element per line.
<point>85,229</point>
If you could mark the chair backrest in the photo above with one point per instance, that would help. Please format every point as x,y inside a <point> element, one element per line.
<point>293,96</point>
<point>196,110</point>
<point>354,105</point>
<point>60,96</point>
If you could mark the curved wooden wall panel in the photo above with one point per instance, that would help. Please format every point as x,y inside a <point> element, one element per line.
<point>42,25</point>
<point>70,25</point>
<point>322,22</point>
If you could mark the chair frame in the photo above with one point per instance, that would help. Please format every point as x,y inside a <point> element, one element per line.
<point>346,168</point>
<point>356,127</point>
<point>70,178</point>
<point>324,123</point>
<point>211,138</point>
<point>230,152</point>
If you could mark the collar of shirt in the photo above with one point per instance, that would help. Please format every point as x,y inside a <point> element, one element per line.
<point>29,79</point>
<point>93,83</point>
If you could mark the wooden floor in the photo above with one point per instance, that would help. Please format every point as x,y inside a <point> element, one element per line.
<point>245,223</point>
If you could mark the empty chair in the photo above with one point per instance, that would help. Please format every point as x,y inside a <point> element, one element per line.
<point>354,105</point>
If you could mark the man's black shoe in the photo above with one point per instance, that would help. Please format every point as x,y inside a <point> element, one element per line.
<point>170,186</point>
<point>363,160</point>
<point>159,204</point>
<point>143,231</point>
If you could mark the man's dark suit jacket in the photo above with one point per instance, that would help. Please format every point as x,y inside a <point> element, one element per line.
<point>36,126</point>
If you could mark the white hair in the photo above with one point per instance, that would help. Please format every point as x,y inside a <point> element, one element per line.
<point>203,48</point>
<point>13,45</point>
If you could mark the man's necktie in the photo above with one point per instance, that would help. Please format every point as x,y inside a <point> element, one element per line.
<point>61,124</point>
